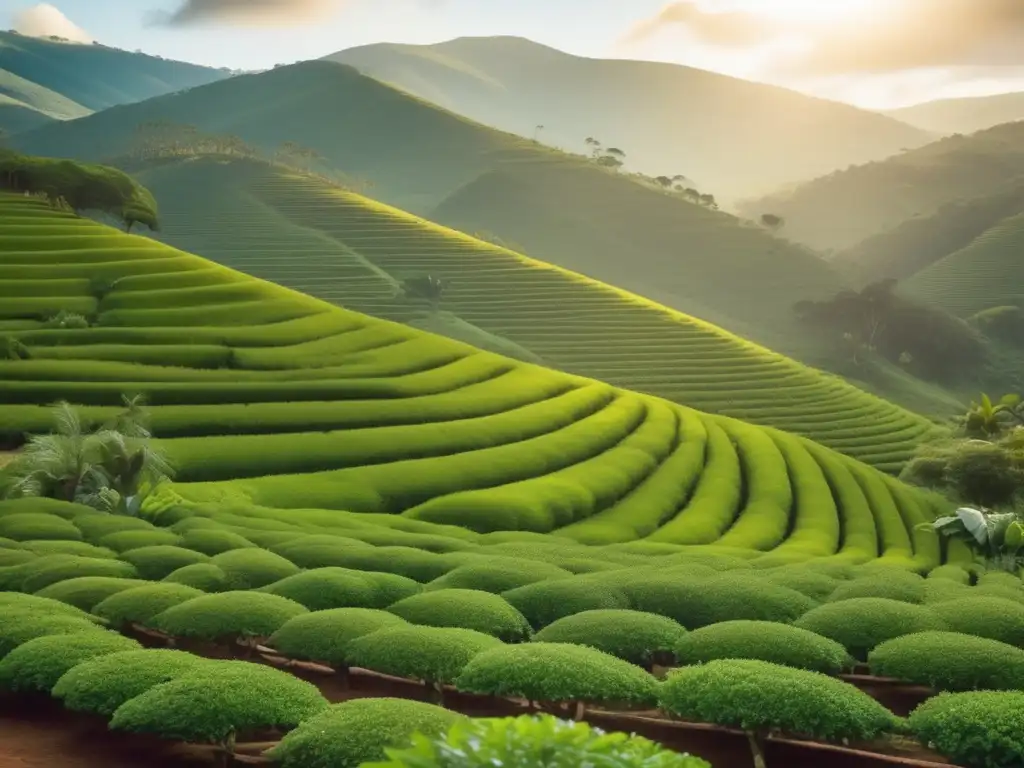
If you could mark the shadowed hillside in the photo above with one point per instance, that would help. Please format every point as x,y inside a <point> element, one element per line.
<point>264,397</point>
<point>965,115</point>
<point>561,208</point>
<point>45,80</point>
<point>733,137</point>
<point>840,210</point>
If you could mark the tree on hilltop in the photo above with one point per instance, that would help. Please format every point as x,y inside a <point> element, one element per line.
<point>772,222</point>
<point>664,181</point>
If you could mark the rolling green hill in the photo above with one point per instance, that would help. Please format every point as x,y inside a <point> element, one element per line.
<point>987,273</point>
<point>301,232</point>
<point>733,137</point>
<point>919,242</point>
<point>839,210</point>
<point>964,115</point>
<point>266,398</point>
<point>560,208</point>
<point>46,80</point>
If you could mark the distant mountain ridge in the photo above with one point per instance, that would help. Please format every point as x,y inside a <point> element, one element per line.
<point>733,137</point>
<point>44,80</point>
<point>965,115</point>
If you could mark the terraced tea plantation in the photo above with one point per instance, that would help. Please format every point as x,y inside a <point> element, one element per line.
<point>343,248</point>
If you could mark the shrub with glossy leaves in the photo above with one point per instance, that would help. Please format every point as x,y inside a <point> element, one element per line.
<point>351,734</point>
<point>861,623</point>
<point>982,729</point>
<point>21,626</point>
<point>764,641</point>
<point>325,636</point>
<point>325,588</point>
<point>218,700</point>
<point>633,636</point>
<point>253,568</point>
<point>547,601</point>
<point>38,664</point>
<point>759,696</point>
<point>991,617</point>
<point>205,576</point>
<point>497,578</point>
<point>141,604</point>
<point>431,654</point>
<point>228,615</point>
<point>101,685</point>
<point>86,591</point>
<point>903,589</point>
<point>533,742</point>
<point>466,609</point>
<point>731,597</point>
<point>154,563</point>
<point>949,661</point>
<point>557,672</point>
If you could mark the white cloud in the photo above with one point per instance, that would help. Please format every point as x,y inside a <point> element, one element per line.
<point>45,20</point>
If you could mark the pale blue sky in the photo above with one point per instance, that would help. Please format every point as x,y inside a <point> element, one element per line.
<point>874,53</point>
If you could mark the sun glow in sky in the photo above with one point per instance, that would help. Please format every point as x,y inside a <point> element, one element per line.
<point>803,12</point>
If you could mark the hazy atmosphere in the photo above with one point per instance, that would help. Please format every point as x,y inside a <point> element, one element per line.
<point>538,384</point>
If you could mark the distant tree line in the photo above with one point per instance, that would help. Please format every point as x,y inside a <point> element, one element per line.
<point>79,187</point>
<point>878,321</point>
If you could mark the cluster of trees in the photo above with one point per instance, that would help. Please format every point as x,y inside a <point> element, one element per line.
<point>876,320</point>
<point>112,468</point>
<point>162,139</point>
<point>428,288</point>
<point>79,187</point>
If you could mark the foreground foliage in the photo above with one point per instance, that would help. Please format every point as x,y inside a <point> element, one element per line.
<point>980,730</point>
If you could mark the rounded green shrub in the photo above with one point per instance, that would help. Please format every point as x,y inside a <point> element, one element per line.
<point>860,624</point>
<point>759,696</point>
<point>494,578</point>
<point>431,654</point>
<point>557,672</point>
<point>87,591</point>
<point>942,590</point>
<point>204,576</point>
<point>38,526</point>
<point>227,615</point>
<point>50,569</point>
<point>96,526</point>
<point>950,572</point>
<point>732,597</point>
<point>126,541</point>
<point>528,742</point>
<point>633,636</point>
<point>325,636</point>
<point>253,568</point>
<point>465,609</point>
<point>212,542</point>
<point>547,601</point>
<point>19,601</point>
<point>998,590</point>
<point>352,734</point>
<point>218,700</point>
<point>982,729</point>
<point>389,588</point>
<point>837,569</point>
<point>62,547</point>
<point>990,617</point>
<point>21,626</point>
<point>141,604</point>
<point>1000,578</point>
<point>38,664</point>
<point>903,590</point>
<point>101,685</point>
<point>950,661</point>
<point>154,563</point>
<point>325,588</point>
<point>817,586</point>
<point>763,641</point>
<point>9,557</point>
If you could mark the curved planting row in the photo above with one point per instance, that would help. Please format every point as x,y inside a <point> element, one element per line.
<point>264,396</point>
<point>355,253</point>
<point>55,648</point>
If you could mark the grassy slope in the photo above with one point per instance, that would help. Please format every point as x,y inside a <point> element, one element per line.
<point>840,210</point>
<point>323,408</point>
<point>344,248</point>
<point>919,242</point>
<point>987,273</point>
<point>515,84</point>
<point>965,115</point>
<point>66,80</point>
<point>434,163</point>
